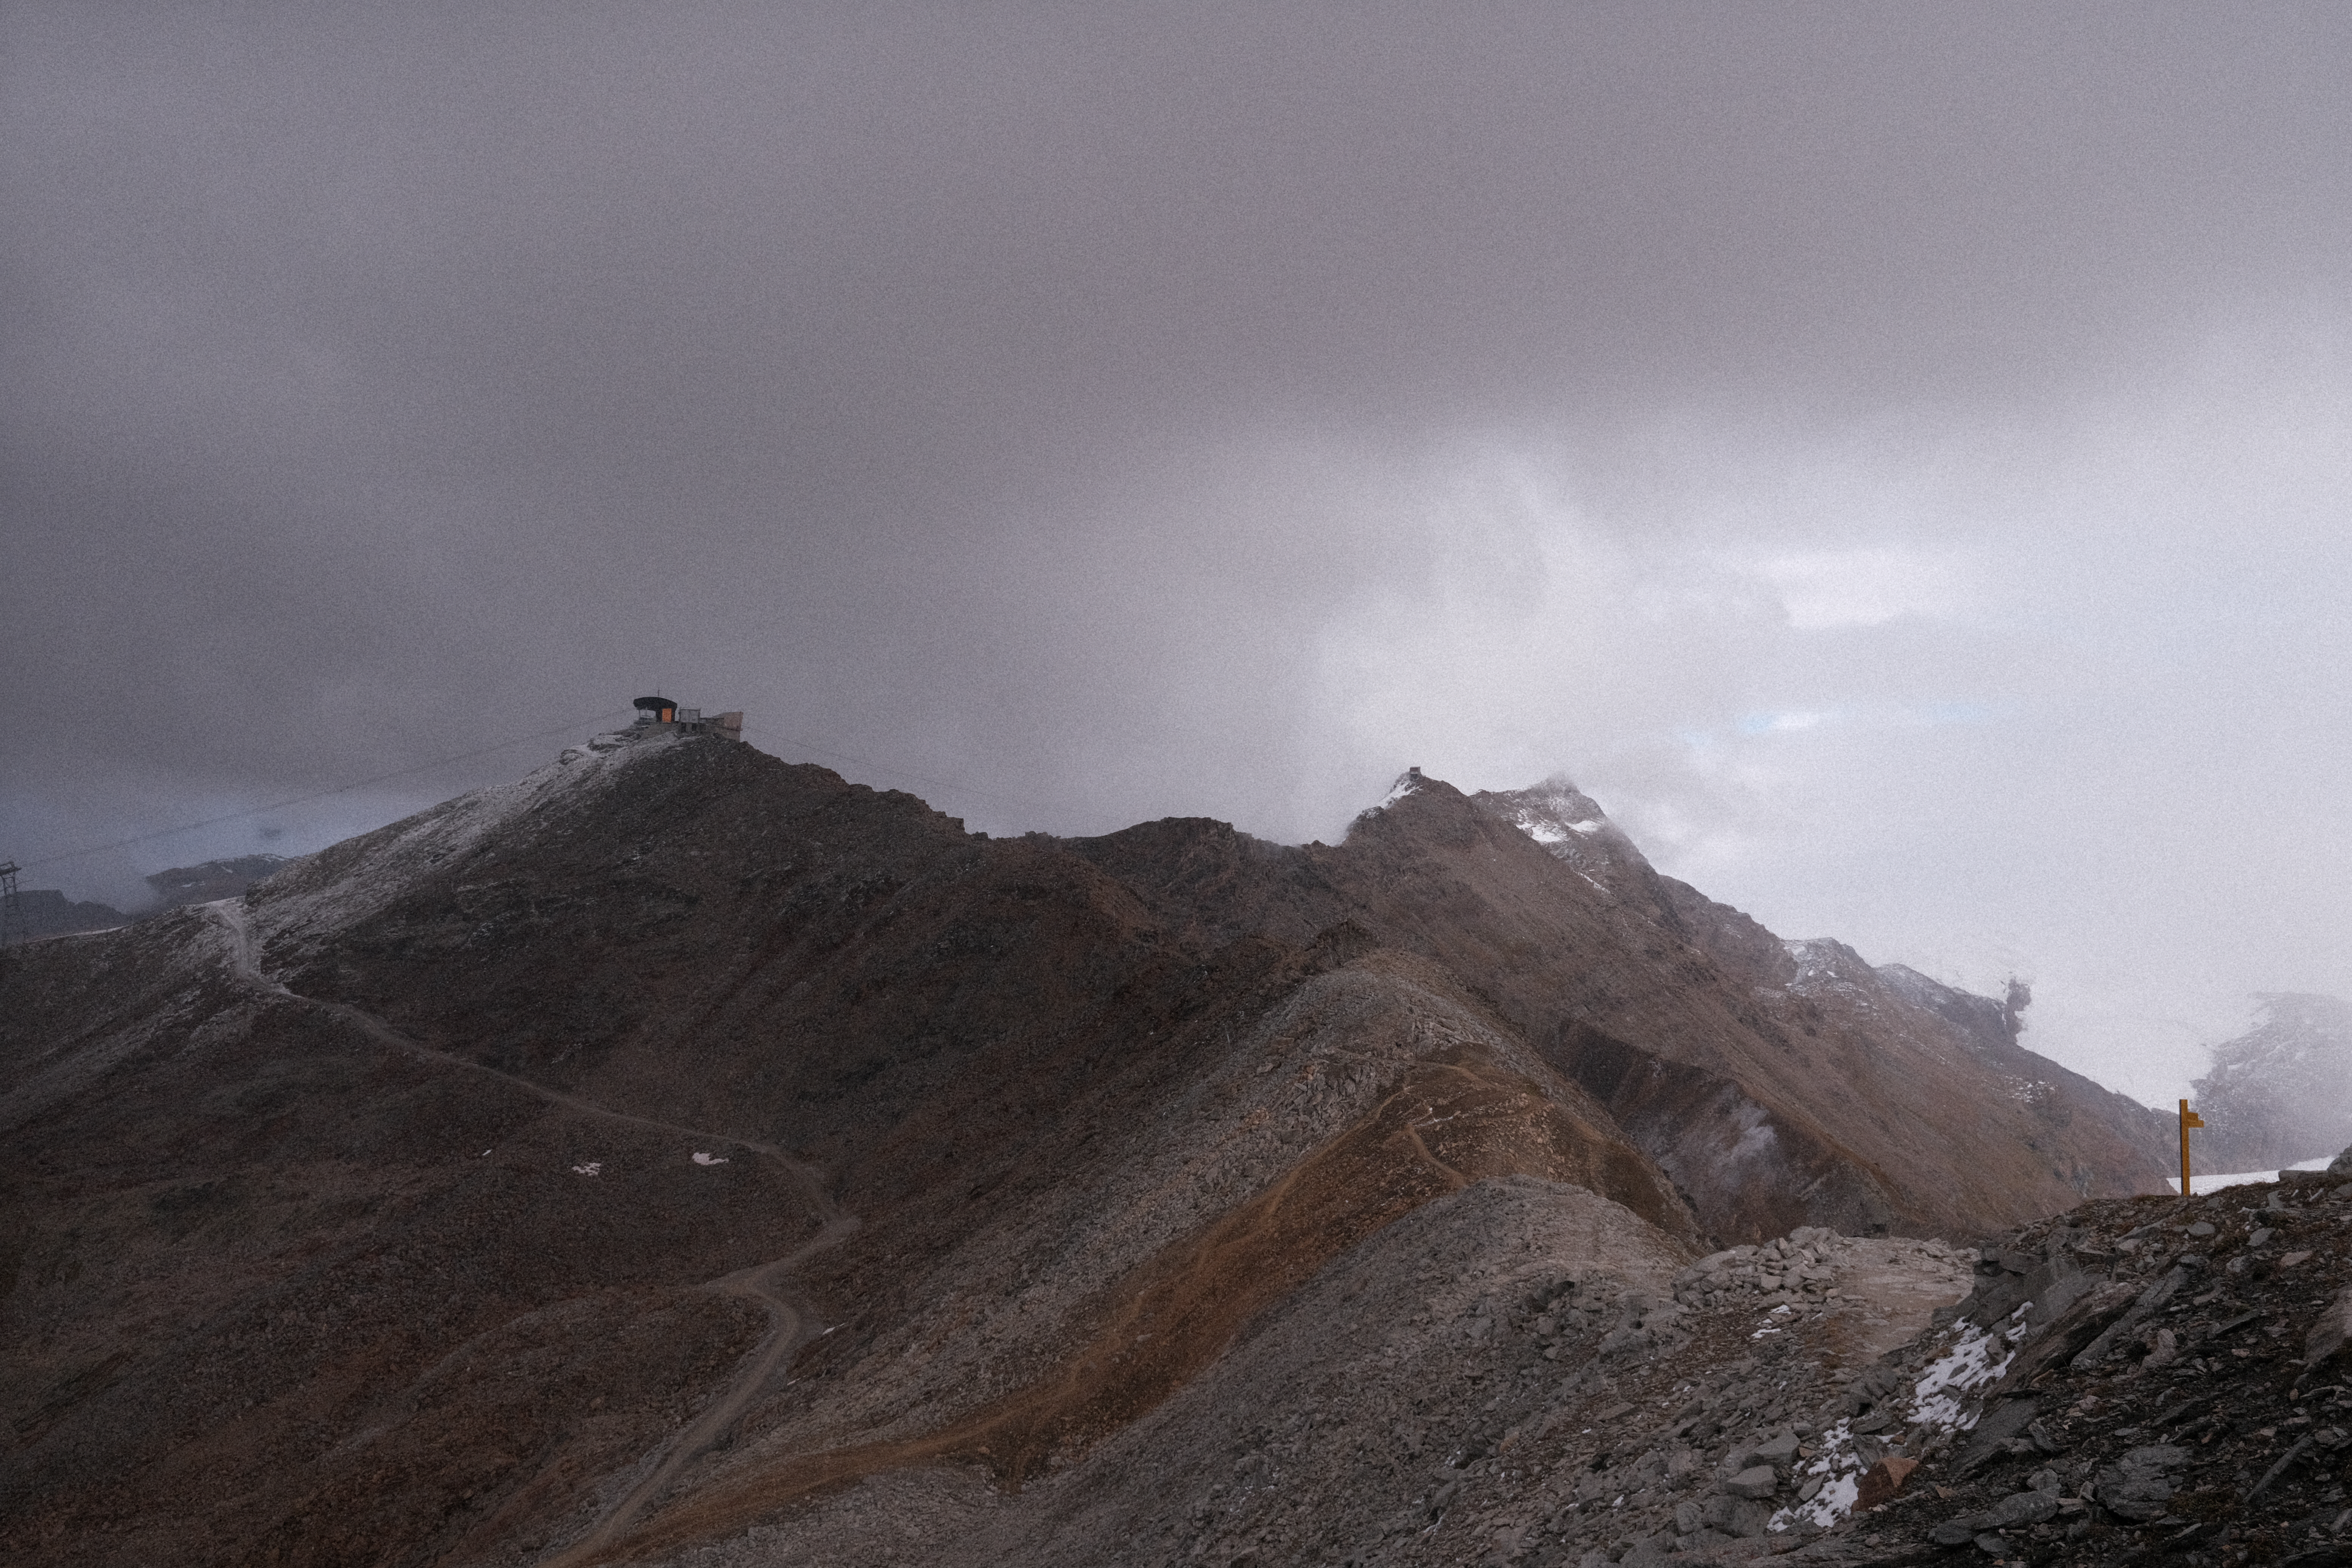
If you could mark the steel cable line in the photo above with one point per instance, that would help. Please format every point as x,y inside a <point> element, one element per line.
<point>321,794</point>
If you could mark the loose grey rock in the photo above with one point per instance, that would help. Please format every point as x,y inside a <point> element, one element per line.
<point>2024,1507</point>
<point>2138,1486</point>
<point>2011,1512</point>
<point>2150,1300</point>
<point>1733,1516</point>
<point>1756,1482</point>
<point>2330,1330</point>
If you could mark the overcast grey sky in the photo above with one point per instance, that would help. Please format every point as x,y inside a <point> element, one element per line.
<point>1897,458</point>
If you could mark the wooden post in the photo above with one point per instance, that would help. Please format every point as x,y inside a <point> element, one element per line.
<point>2189,1118</point>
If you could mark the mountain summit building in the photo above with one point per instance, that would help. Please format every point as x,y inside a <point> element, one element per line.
<point>659,715</point>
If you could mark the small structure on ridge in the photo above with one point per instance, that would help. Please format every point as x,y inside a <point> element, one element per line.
<point>660,715</point>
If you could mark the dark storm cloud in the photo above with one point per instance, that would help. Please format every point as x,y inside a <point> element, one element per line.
<point>1113,411</point>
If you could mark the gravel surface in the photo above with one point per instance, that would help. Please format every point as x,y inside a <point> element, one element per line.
<point>1510,1377</point>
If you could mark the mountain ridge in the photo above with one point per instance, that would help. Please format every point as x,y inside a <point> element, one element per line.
<point>1097,1108</point>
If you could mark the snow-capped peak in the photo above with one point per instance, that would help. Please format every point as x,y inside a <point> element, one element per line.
<point>1567,822</point>
<point>1554,812</point>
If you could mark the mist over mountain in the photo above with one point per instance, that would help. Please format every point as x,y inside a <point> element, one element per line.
<point>2282,1091</point>
<point>214,880</point>
<point>613,1160</point>
<point>47,911</point>
<point>1897,455</point>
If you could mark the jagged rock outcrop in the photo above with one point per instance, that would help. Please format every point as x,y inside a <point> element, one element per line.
<point>2158,1382</point>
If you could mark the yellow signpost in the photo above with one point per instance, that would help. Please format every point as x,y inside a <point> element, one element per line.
<point>2189,1118</point>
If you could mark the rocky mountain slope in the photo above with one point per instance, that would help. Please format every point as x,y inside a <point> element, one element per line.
<point>2282,1091</point>
<point>680,1143</point>
<point>2142,1380</point>
<point>2137,1382</point>
<point>1883,1080</point>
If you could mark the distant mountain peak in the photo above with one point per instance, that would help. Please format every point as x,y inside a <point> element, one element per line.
<point>2282,1091</point>
<point>1549,811</point>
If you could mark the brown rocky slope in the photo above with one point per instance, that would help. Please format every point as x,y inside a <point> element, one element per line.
<point>449,1198</point>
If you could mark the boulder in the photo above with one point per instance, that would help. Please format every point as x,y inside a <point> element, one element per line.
<point>1756,1482</point>
<point>2138,1485</point>
<point>2010,1512</point>
<point>1993,1430</point>
<point>2341,1165</point>
<point>2331,1330</point>
<point>2072,1330</point>
<point>2022,1508</point>
<point>2149,1302</point>
<point>2006,1280</point>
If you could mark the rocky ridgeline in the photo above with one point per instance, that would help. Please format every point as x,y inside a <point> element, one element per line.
<point>2171,1387</point>
<point>1513,1413</point>
<point>2137,1381</point>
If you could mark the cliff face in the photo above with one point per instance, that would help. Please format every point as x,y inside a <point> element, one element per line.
<point>2282,1091</point>
<point>617,1157</point>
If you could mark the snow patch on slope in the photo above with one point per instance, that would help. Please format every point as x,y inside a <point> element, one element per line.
<point>1570,824</point>
<point>1941,1401</point>
<point>324,893</point>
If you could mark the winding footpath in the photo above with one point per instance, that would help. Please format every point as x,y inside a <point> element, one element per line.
<point>791,1324</point>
